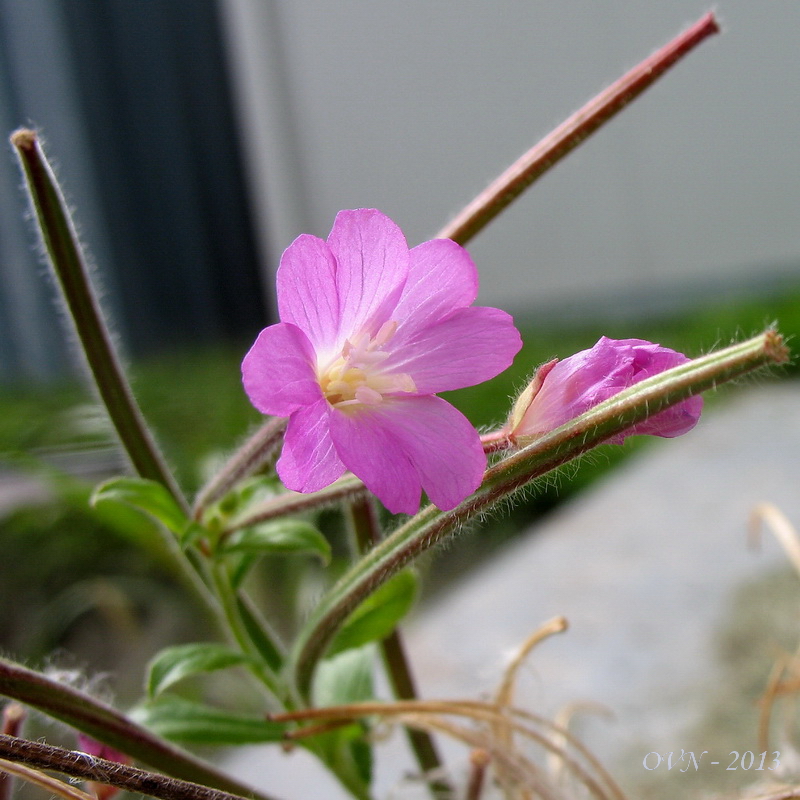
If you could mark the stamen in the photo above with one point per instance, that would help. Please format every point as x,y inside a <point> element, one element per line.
<point>368,396</point>
<point>385,333</point>
<point>355,378</point>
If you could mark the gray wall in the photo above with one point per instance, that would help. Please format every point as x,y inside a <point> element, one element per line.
<point>133,102</point>
<point>412,106</point>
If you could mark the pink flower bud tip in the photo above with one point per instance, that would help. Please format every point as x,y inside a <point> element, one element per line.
<point>563,390</point>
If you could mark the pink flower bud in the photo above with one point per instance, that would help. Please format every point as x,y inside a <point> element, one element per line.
<point>562,390</point>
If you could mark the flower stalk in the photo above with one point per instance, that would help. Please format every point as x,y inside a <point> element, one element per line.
<point>347,487</point>
<point>567,136</point>
<point>430,526</point>
<point>365,528</point>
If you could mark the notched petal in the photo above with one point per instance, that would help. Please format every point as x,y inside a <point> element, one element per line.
<point>372,267</point>
<point>472,345</point>
<point>307,290</point>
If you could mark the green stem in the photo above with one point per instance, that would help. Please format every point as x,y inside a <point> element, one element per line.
<point>84,713</point>
<point>365,527</point>
<point>430,526</point>
<point>230,600</point>
<point>64,251</point>
<point>547,153</point>
<point>348,487</point>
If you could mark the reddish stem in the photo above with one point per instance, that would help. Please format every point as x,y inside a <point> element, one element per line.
<point>520,175</point>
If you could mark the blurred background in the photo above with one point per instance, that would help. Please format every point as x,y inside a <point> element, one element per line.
<point>196,138</point>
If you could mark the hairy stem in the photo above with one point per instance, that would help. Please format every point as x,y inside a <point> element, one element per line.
<point>347,487</point>
<point>45,782</point>
<point>243,463</point>
<point>567,136</point>
<point>66,257</point>
<point>13,718</point>
<point>430,526</point>
<point>366,532</point>
<point>69,265</point>
<point>99,770</point>
<point>98,720</point>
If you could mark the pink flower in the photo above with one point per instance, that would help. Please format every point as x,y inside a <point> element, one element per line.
<point>562,390</point>
<point>370,331</point>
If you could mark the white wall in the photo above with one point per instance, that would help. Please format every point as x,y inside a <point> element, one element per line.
<point>412,106</point>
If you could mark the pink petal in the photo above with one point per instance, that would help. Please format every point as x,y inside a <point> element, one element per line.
<point>441,279</point>
<point>673,421</point>
<point>309,461</point>
<point>279,373</point>
<point>408,443</point>
<point>372,266</point>
<point>471,346</point>
<point>368,448</point>
<point>307,293</point>
<point>585,379</point>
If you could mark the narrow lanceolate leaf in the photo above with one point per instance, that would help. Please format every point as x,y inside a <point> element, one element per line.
<point>345,678</point>
<point>379,614</point>
<point>280,536</point>
<point>175,663</point>
<point>340,680</point>
<point>194,723</point>
<point>147,496</point>
<point>69,265</point>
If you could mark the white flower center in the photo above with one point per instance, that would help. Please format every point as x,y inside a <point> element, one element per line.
<point>354,377</point>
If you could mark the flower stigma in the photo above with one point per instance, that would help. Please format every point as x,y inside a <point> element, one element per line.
<point>354,377</point>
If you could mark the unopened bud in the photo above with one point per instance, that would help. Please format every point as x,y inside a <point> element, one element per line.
<point>563,390</point>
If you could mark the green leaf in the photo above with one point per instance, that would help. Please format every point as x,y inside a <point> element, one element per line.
<point>379,614</point>
<point>194,723</point>
<point>191,534</point>
<point>176,663</point>
<point>240,567</point>
<point>345,678</point>
<point>142,531</point>
<point>145,495</point>
<point>280,536</point>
